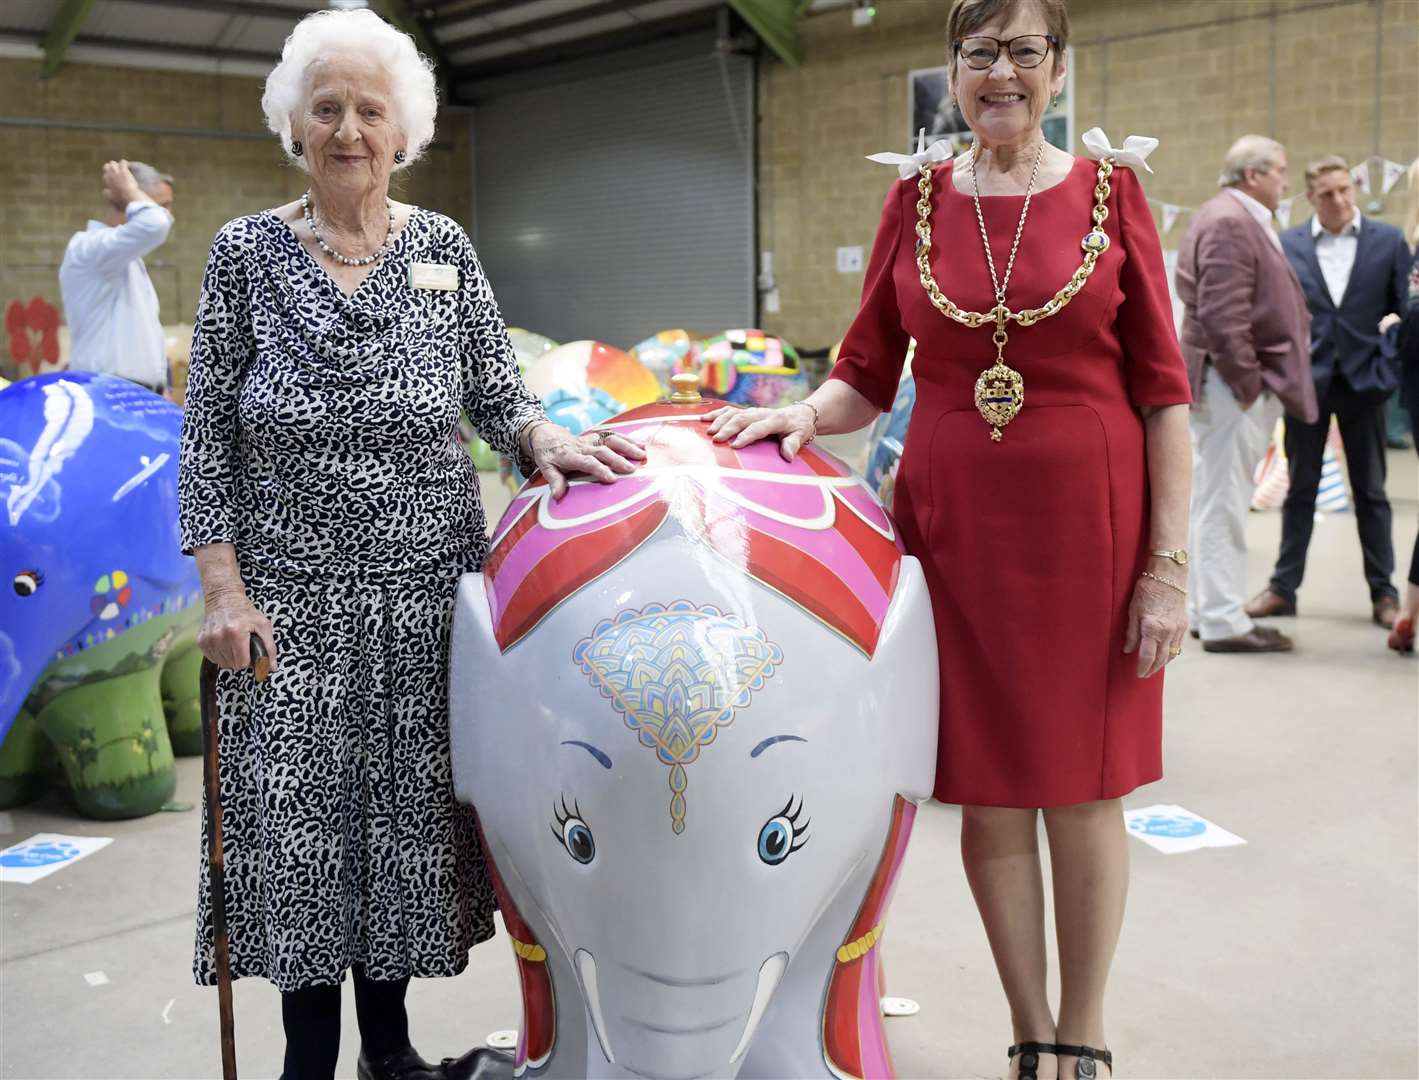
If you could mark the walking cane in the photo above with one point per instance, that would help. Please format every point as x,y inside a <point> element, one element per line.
<point>216,881</point>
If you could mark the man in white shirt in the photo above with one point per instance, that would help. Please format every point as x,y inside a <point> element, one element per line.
<point>1354,272</point>
<point>109,300</point>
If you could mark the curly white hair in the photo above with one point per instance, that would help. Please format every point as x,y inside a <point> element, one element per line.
<point>411,74</point>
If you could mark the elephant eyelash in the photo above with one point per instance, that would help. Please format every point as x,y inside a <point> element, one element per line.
<point>800,832</point>
<point>563,815</point>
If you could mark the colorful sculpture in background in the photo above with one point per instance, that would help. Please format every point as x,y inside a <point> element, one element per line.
<point>885,444</point>
<point>528,346</point>
<point>1273,481</point>
<point>583,366</point>
<point>750,367</point>
<point>98,606</point>
<point>583,383</point>
<point>696,711</point>
<point>668,353</point>
<point>32,335</point>
<point>889,434</point>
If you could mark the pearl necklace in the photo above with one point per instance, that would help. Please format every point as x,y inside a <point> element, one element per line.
<point>345,260</point>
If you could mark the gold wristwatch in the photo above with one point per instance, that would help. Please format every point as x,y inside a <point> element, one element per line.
<point>1178,555</point>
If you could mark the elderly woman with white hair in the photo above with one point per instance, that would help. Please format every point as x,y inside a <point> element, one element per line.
<point>332,512</point>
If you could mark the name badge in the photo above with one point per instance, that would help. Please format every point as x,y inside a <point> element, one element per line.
<point>433,276</point>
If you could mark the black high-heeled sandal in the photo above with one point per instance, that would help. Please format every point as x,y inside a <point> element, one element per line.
<point>1030,1059</point>
<point>1086,1068</point>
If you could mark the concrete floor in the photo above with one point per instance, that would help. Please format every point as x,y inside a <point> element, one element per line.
<point>1293,956</point>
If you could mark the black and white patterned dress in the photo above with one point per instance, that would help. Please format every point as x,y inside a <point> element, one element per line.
<point>319,440</point>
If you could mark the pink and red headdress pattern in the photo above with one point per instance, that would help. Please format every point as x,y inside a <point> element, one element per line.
<point>808,529</point>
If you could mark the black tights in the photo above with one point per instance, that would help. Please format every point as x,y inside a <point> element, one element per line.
<point>311,1018</point>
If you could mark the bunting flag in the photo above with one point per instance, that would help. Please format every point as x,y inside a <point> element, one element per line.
<point>1385,175</point>
<point>1361,175</point>
<point>1393,171</point>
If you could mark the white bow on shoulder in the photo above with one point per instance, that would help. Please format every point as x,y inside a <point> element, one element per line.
<point>908,165</point>
<point>1133,152</point>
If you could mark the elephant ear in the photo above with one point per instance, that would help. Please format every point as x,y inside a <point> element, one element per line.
<point>909,684</point>
<point>854,1044</point>
<point>537,1035</point>
<point>478,684</point>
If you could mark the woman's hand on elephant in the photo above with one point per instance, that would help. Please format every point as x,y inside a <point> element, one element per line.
<point>602,455</point>
<point>794,425</point>
<point>225,637</point>
<point>1157,623</point>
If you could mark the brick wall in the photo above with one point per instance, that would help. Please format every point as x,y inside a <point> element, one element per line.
<point>49,176</point>
<point>1319,75</point>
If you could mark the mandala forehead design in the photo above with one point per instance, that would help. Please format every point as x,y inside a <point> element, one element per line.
<point>677,673</point>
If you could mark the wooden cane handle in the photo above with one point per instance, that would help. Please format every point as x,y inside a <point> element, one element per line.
<point>260,659</point>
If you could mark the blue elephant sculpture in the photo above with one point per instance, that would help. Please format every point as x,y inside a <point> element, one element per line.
<point>98,606</point>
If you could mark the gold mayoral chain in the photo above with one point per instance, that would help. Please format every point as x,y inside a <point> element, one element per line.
<point>1000,389</point>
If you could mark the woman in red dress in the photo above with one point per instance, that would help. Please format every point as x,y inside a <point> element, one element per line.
<point>1046,496</point>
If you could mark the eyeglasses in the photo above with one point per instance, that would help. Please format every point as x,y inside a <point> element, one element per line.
<point>1026,51</point>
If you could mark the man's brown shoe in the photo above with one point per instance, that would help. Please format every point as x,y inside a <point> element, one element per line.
<point>1386,611</point>
<point>1267,603</point>
<point>1257,639</point>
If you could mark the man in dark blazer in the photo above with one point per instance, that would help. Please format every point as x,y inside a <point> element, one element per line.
<point>1245,336</point>
<point>1354,272</point>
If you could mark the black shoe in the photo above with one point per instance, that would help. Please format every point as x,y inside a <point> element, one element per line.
<point>1087,1067</point>
<point>480,1063</point>
<point>1030,1057</point>
<point>405,1064</point>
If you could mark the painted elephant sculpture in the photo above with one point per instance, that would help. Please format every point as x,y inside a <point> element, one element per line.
<point>98,606</point>
<point>696,711</point>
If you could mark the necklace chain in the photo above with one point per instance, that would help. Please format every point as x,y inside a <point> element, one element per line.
<point>1094,244</point>
<point>1001,286</point>
<point>346,260</point>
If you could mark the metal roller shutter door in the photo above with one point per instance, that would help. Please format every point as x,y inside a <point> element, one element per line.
<point>621,202</point>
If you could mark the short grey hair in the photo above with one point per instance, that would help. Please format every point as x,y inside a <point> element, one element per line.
<point>411,74</point>
<point>1249,152</point>
<point>148,178</point>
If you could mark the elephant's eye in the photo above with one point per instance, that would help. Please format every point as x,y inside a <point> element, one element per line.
<point>573,833</point>
<point>27,582</point>
<point>782,834</point>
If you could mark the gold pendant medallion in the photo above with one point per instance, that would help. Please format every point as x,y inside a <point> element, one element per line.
<point>1000,393</point>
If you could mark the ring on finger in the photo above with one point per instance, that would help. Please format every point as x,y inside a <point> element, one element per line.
<point>1176,650</point>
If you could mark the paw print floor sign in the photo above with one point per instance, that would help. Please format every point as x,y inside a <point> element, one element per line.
<point>44,853</point>
<point>1172,830</point>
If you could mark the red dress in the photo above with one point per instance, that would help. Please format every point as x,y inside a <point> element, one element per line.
<point>1031,545</point>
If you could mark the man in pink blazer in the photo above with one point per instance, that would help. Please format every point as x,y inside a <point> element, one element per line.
<point>1246,338</point>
